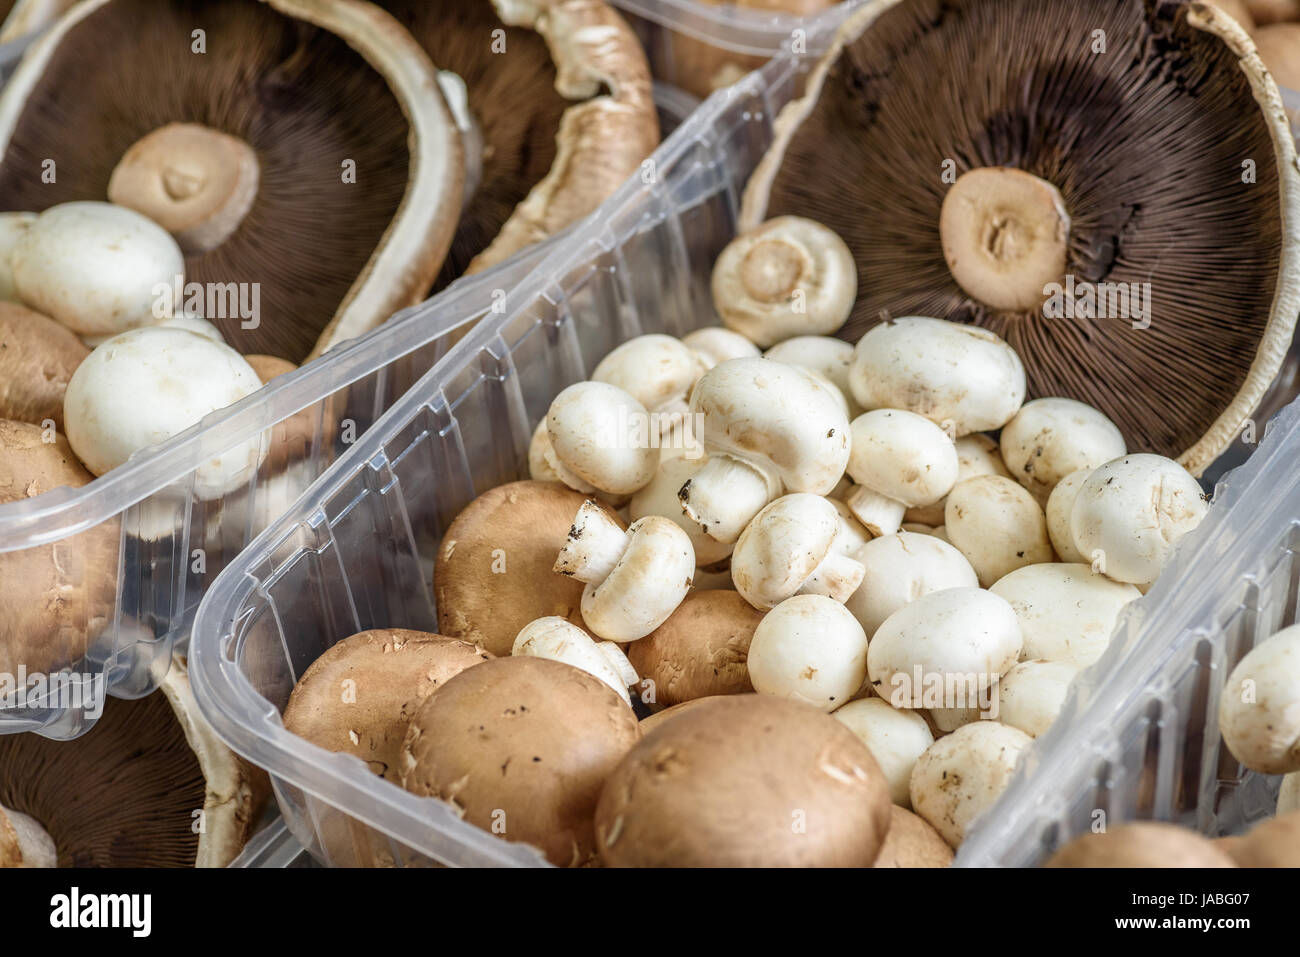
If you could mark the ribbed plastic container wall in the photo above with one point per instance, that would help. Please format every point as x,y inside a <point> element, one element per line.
<point>1138,738</point>
<point>700,47</point>
<point>104,580</point>
<point>357,552</point>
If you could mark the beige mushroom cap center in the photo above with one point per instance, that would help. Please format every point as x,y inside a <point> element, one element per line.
<point>1005,235</point>
<point>194,181</point>
<point>772,269</point>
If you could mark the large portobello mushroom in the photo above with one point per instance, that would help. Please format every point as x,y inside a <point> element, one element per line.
<point>977,154</point>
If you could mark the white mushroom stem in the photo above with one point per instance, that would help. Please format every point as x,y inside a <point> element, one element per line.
<point>728,492</point>
<point>35,846</point>
<point>558,639</point>
<point>879,514</point>
<point>594,546</point>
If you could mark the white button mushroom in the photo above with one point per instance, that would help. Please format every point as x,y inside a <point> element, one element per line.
<point>560,640</point>
<point>997,525</point>
<point>962,377</point>
<point>1060,506</point>
<point>898,569</point>
<point>633,579</point>
<point>1031,694</point>
<point>899,460</point>
<point>853,535</point>
<point>787,277</point>
<point>1288,799</point>
<point>895,738</point>
<point>765,425</point>
<point>144,386</point>
<point>825,356</point>
<point>658,371</point>
<point>944,650</point>
<point>24,843</point>
<point>948,720</point>
<point>1259,714</point>
<point>12,227</point>
<point>95,267</point>
<point>660,498</point>
<point>811,649</point>
<point>599,440</point>
<point>1050,438</point>
<point>790,549</point>
<point>1067,612</point>
<point>977,454</point>
<point>962,774</point>
<point>1131,512</point>
<point>714,344</point>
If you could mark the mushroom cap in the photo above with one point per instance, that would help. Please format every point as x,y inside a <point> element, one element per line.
<point>977,454</point>
<point>700,651</point>
<point>1031,694</point>
<point>24,843</point>
<point>783,547</point>
<point>602,435</point>
<point>95,267</point>
<point>903,456</point>
<point>1271,843</point>
<point>1264,12</point>
<point>871,151</point>
<point>896,737</point>
<point>659,497</point>
<point>312,88</point>
<point>901,568</point>
<point>1276,45</point>
<point>1131,512</point>
<point>358,697</point>
<point>962,774</point>
<point>1141,844</point>
<point>757,409</point>
<point>561,640</point>
<point>963,378</point>
<point>954,632</point>
<point>825,356</point>
<point>745,781</point>
<point>1259,712</point>
<point>291,439</point>
<point>57,598</point>
<point>714,344</point>
<point>523,744</point>
<point>12,227</point>
<point>652,721</point>
<point>1050,438</point>
<point>650,580</point>
<point>1239,10</point>
<point>997,525</point>
<point>1058,511</point>
<point>1067,612</point>
<point>911,842</point>
<point>37,358</point>
<point>811,649</point>
<point>656,370</point>
<point>146,385</point>
<point>493,572</point>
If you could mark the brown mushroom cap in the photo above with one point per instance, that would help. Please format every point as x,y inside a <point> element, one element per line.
<point>701,650</point>
<point>652,721</point>
<point>745,781</point>
<point>493,572</point>
<point>358,697</point>
<point>312,87</point>
<point>1201,203</point>
<point>912,842</point>
<point>1271,843</point>
<point>1273,11</point>
<point>37,358</point>
<point>521,746</point>
<point>55,599</point>
<point>1141,844</point>
<point>1279,48</point>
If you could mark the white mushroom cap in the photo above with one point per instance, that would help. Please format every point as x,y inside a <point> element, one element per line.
<point>660,498</point>
<point>810,649</point>
<point>1050,438</point>
<point>997,525</point>
<point>196,325</point>
<point>765,425</point>
<point>600,438</point>
<point>22,839</point>
<point>962,774</point>
<point>1067,612</point>
<point>965,638</point>
<point>144,386</point>
<point>635,579</point>
<point>1031,694</point>
<point>1288,799</point>
<point>899,460</point>
<point>656,370</point>
<point>948,720</point>
<point>977,454</point>
<point>853,535</point>
<point>787,277</point>
<point>895,738</point>
<point>95,267</point>
<point>714,344</point>
<point>560,640</point>
<point>790,549</point>
<point>1259,713</point>
<point>962,377</point>
<point>825,356</point>
<point>1131,512</point>
<point>12,227</point>
<point>898,569</point>
<point>540,457</point>
<point>1060,506</point>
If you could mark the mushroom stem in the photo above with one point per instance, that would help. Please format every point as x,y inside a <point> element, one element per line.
<point>196,182</point>
<point>880,514</point>
<point>726,494</point>
<point>594,546</point>
<point>837,577</point>
<point>35,846</point>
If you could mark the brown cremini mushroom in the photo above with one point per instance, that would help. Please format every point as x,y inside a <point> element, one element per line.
<point>1141,844</point>
<point>37,358</point>
<point>911,842</point>
<point>1271,843</point>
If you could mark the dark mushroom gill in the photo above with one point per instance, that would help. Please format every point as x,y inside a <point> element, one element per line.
<point>298,95</point>
<point>1146,143</point>
<point>122,795</point>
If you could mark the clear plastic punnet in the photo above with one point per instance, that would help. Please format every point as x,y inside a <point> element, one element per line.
<point>102,582</point>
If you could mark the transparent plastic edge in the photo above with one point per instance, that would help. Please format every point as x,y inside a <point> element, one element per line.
<point>740,30</point>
